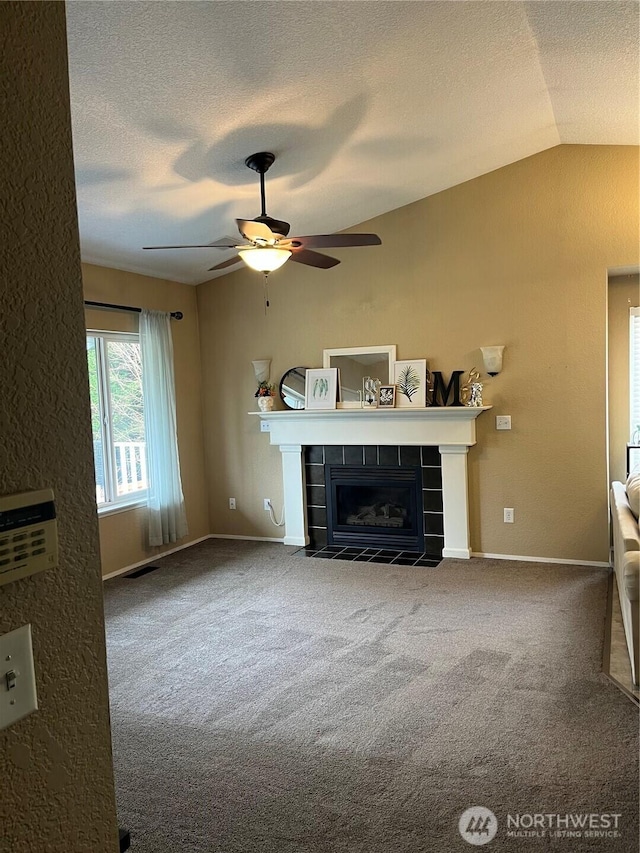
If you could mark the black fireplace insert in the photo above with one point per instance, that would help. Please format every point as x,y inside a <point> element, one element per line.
<point>371,507</point>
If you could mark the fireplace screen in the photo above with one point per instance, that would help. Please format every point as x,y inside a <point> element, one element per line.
<point>374,506</point>
<point>380,507</point>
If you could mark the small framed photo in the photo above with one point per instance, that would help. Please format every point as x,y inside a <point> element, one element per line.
<point>387,397</point>
<point>321,388</point>
<point>410,378</point>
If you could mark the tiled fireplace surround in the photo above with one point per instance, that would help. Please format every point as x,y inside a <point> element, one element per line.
<point>343,434</point>
<point>374,456</point>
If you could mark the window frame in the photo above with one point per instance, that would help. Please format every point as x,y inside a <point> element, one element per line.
<point>114,503</point>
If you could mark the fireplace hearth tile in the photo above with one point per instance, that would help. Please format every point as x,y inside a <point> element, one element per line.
<point>370,555</point>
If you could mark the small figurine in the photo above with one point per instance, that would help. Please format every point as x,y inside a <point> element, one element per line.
<point>370,391</point>
<point>473,389</point>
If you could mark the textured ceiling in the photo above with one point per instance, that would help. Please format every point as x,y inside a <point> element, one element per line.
<point>367,105</point>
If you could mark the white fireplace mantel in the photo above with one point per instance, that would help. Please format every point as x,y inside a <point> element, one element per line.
<point>452,429</point>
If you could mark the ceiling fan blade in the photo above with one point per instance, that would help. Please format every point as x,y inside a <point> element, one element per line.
<point>313,259</point>
<point>217,245</point>
<point>228,263</point>
<point>256,230</point>
<point>329,241</point>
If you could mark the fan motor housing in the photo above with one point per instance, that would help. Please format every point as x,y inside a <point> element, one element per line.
<point>278,226</point>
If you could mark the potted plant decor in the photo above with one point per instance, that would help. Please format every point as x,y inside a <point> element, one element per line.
<point>265,394</point>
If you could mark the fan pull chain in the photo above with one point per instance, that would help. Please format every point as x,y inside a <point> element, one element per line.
<point>266,293</point>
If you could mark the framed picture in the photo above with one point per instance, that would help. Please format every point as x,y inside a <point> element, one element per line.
<point>387,396</point>
<point>410,378</point>
<point>321,388</point>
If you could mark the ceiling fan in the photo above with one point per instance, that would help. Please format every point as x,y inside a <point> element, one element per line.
<point>268,247</point>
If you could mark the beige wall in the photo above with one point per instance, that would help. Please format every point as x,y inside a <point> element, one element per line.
<point>624,292</point>
<point>123,535</point>
<point>55,765</point>
<point>516,257</point>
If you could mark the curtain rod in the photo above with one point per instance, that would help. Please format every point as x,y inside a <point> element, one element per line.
<point>175,315</point>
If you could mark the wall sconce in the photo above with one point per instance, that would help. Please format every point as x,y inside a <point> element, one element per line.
<point>492,358</point>
<point>262,369</point>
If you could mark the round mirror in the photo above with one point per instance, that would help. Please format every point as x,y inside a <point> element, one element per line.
<point>292,387</point>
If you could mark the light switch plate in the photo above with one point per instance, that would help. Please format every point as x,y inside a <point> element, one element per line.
<point>503,421</point>
<point>265,426</point>
<point>16,668</point>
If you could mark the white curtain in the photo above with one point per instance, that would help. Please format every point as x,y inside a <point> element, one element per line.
<point>167,517</point>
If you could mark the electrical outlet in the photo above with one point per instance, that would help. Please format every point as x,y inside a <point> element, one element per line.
<point>503,421</point>
<point>232,503</point>
<point>266,504</point>
<point>509,515</point>
<point>265,426</point>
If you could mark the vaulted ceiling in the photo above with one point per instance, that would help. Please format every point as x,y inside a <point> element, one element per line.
<point>367,104</point>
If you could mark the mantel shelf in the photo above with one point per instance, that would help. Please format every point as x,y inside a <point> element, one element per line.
<point>462,413</point>
<point>450,425</point>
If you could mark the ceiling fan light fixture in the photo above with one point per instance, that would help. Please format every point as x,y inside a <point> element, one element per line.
<point>266,259</point>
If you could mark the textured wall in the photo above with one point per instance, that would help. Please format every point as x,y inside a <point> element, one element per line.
<point>516,257</point>
<point>123,536</point>
<point>55,766</point>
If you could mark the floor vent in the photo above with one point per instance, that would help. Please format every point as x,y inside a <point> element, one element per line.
<point>143,571</point>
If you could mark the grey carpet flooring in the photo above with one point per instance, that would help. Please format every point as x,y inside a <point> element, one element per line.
<point>269,703</point>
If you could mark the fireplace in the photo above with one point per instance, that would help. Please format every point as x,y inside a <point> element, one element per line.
<point>398,484</point>
<point>374,507</point>
<point>441,435</point>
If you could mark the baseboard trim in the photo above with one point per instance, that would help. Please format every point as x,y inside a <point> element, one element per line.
<point>154,558</point>
<point>596,563</point>
<point>248,538</point>
<point>123,571</point>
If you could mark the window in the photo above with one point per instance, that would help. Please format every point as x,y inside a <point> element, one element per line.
<point>117,418</point>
